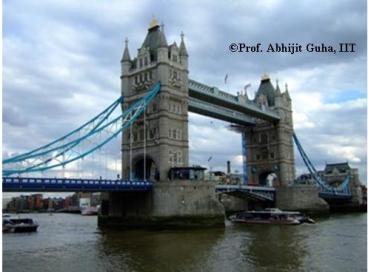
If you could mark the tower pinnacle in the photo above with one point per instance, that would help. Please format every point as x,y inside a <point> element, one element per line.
<point>265,76</point>
<point>182,48</point>
<point>154,23</point>
<point>278,91</point>
<point>126,55</point>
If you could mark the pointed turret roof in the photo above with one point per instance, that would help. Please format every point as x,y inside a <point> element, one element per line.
<point>182,48</point>
<point>174,45</point>
<point>286,93</point>
<point>126,55</point>
<point>155,38</point>
<point>277,91</point>
<point>266,88</point>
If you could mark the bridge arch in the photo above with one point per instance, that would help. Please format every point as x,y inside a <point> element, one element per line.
<point>152,172</point>
<point>268,178</point>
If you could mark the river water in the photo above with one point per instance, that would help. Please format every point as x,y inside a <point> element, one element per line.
<point>71,242</point>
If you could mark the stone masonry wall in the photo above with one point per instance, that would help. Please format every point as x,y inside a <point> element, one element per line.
<point>300,198</point>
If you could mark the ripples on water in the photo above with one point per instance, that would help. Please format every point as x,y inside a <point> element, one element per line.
<point>69,242</point>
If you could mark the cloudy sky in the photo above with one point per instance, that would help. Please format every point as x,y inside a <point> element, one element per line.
<point>61,65</point>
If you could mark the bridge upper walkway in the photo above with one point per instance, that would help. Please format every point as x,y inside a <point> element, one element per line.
<point>214,96</point>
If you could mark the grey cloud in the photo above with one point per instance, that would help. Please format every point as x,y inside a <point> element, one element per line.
<point>13,117</point>
<point>64,67</point>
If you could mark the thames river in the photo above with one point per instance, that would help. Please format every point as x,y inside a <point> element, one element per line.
<point>71,242</point>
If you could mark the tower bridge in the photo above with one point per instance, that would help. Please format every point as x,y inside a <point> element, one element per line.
<point>156,96</point>
<point>266,121</point>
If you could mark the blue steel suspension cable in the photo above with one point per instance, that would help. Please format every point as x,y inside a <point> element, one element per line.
<point>131,108</point>
<point>75,143</point>
<point>134,111</point>
<point>105,112</point>
<point>32,169</point>
<point>147,97</point>
<point>28,170</point>
<point>314,173</point>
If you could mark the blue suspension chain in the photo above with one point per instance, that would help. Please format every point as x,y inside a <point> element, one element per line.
<point>342,188</point>
<point>127,118</point>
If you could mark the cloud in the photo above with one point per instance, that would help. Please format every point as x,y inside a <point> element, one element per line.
<point>63,67</point>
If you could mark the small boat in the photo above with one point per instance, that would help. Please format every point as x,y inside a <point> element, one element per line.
<point>271,216</point>
<point>89,211</point>
<point>19,225</point>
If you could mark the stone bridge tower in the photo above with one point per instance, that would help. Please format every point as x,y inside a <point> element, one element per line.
<point>270,153</point>
<point>166,118</point>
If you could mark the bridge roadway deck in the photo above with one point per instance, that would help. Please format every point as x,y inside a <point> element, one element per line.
<point>214,96</point>
<point>20,184</point>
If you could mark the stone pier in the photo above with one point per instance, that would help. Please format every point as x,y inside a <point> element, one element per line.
<point>302,198</point>
<point>174,204</point>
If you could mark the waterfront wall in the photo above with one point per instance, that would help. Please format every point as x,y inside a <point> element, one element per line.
<point>232,203</point>
<point>169,204</point>
<point>300,198</point>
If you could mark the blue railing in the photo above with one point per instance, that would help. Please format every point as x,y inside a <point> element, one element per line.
<point>19,184</point>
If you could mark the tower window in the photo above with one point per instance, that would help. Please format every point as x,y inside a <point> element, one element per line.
<point>170,156</point>
<point>263,139</point>
<point>151,134</point>
<point>145,61</point>
<point>179,157</point>
<point>141,134</point>
<point>140,63</point>
<point>175,157</point>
